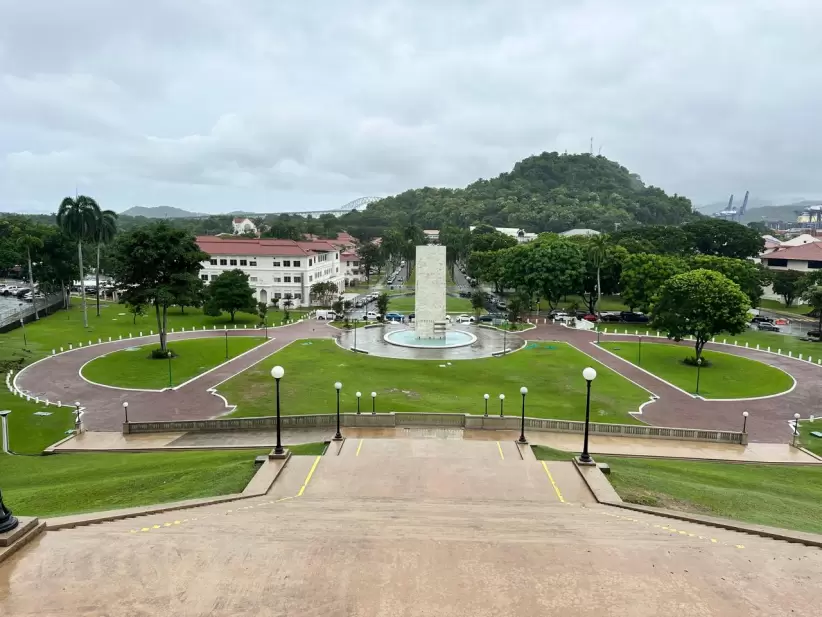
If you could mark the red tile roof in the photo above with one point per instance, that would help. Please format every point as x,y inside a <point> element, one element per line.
<point>261,246</point>
<point>804,252</point>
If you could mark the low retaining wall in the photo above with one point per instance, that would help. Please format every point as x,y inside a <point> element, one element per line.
<point>450,420</point>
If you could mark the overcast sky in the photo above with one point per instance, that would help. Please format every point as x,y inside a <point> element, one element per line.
<point>218,105</point>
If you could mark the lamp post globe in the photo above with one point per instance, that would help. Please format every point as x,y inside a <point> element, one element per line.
<point>501,404</point>
<point>277,373</point>
<point>125,410</point>
<point>359,394</point>
<point>795,427</point>
<point>338,387</point>
<point>523,391</point>
<point>486,397</point>
<point>589,374</point>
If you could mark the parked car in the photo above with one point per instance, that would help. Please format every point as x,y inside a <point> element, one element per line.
<point>768,327</point>
<point>372,315</point>
<point>486,318</point>
<point>28,296</point>
<point>630,317</point>
<point>560,316</point>
<point>466,319</point>
<point>393,316</point>
<point>590,317</point>
<point>611,317</point>
<point>22,292</point>
<point>11,290</point>
<point>465,294</point>
<point>761,319</point>
<point>814,334</point>
<point>324,315</point>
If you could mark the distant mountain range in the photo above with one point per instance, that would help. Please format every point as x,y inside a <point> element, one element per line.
<point>762,209</point>
<point>161,212</point>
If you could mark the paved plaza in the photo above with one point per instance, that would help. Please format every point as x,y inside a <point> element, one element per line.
<point>411,527</point>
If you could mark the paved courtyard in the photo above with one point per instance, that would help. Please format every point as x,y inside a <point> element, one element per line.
<point>411,527</point>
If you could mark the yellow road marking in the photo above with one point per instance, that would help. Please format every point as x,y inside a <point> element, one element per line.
<point>554,484</point>
<point>308,477</point>
<point>501,455</point>
<point>358,447</point>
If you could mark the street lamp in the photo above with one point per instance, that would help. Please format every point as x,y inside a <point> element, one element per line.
<point>504,339</point>
<point>373,403</point>
<point>277,373</point>
<point>125,410</point>
<point>744,421</point>
<point>698,367</point>
<point>170,382</point>
<point>338,387</point>
<point>795,427</point>
<point>501,403</point>
<point>359,394</point>
<point>589,375</point>
<point>355,334</point>
<point>486,397</point>
<point>639,348</point>
<point>523,390</point>
<point>77,414</point>
<point>226,344</point>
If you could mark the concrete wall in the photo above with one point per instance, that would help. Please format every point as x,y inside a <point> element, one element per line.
<point>429,307</point>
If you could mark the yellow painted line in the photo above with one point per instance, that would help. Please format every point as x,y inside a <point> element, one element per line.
<point>359,447</point>
<point>554,484</point>
<point>502,456</point>
<point>308,477</point>
<point>740,546</point>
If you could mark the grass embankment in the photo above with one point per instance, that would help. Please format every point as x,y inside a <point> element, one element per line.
<point>406,304</point>
<point>551,371</point>
<point>808,441</point>
<point>308,449</point>
<point>65,328</point>
<point>777,495</point>
<point>727,376</point>
<point>800,310</point>
<point>73,483</point>
<point>135,368</point>
<point>30,433</point>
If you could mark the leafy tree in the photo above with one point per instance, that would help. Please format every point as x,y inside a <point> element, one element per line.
<point>477,301</point>
<point>262,313</point>
<point>643,276</point>
<point>58,266</point>
<point>230,292</point>
<point>287,304</point>
<point>597,254</point>
<point>743,272</point>
<point>813,296</point>
<point>323,292</point>
<point>759,227</point>
<point>789,284</point>
<point>105,228</point>
<point>551,266</point>
<point>77,218</point>
<point>29,242</point>
<point>488,268</point>
<point>137,310</point>
<point>711,236</point>
<point>518,304</point>
<point>657,239</point>
<point>486,238</point>
<point>382,305</point>
<point>371,257</point>
<point>191,295</point>
<point>338,306</point>
<point>157,264</point>
<point>700,303</point>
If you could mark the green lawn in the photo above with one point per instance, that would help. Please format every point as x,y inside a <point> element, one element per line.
<point>551,371</point>
<point>808,441</point>
<point>30,433</point>
<point>728,376</point>
<point>544,453</point>
<point>405,304</point>
<point>72,483</point>
<point>777,495</point>
<point>134,368</point>
<point>66,327</point>
<point>776,305</point>
<point>308,449</point>
<point>606,303</point>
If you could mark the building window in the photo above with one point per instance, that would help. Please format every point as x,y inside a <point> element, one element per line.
<point>253,279</point>
<point>298,279</point>
<point>252,263</point>
<point>347,263</point>
<point>276,264</point>
<point>310,277</point>
<point>278,295</point>
<point>356,263</point>
<point>779,263</point>
<point>277,279</point>
<point>213,262</point>
<point>204,277</point>
<point>243,262</point>
<point>814,265</point>
<point>309,262</point>
<point>232,262</point>
<point>298,296</point>
<point>286,279</point>
<point>286,263</point>
<point>223,262</point>
<point>296,263</point>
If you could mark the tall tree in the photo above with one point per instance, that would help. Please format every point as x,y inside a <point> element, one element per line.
<point>724,238</point>
<point>598,253</point>
<point>157,264</point>
<point>29,242</point>
<point>230,292</point>
<point>105,228</point>
<point>58,266</point>
<point>743,272</point>
<point>78,219</point>
<point>643,276</point>
<point>813,296</point>
<point>700,303</point>
<point>789,284</point>
<point>371,257</point>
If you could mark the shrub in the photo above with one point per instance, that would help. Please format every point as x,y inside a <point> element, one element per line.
<point>159,354</point>
<point>691,361</point>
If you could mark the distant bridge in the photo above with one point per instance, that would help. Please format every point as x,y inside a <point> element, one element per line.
<point>358,204</point>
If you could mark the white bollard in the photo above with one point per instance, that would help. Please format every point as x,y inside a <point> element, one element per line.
<point>181,329</point>
<point>59,403</point>
<point>790,354</point>
<point>119,337</point>
<point>99,340</point>
<point>736,343</point>
<point>28,398</point>
<point>769,349</point>
<point>151,332</point>
<point>61,350</point>
<point>47,402</point>
<point>141,334</point>
<point>224,327</point>
<point>779,351</point>
<point>810,359</point>
<point>89,343</point>
<point>80,344</point>
<point>203,327</point>
<point>129,335</point>
<point>757,346</point>
<point>70,347</point>
<point>724,341</point>
<point>246,326</point>
<point>657,333</point>
<point>172,330</point>
<point>109,339</point>
<point>235,326</point>
<point>746,344</point>
<point>800,356</point>
<point>53,352</point>
<point>626,330</point>
<point>213,327</point>
<point>37,400</point>
<point>605,330</point>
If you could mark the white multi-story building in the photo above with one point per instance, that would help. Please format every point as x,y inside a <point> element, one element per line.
<point>242,225</point>
<point>277,269</point>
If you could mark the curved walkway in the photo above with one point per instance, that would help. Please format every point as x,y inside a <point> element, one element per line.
<point>57,378</point>
<point>769,417</point>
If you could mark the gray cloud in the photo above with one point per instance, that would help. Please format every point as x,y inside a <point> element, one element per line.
<point>218,104</point>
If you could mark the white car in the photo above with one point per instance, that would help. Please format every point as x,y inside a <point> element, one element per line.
<point>372,315</point>
<point>326,315</point>
<point>466,319</point>
<point>11,290</point>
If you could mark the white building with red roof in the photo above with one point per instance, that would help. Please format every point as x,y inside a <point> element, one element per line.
<point>277,269</point>
<point>243,225</point>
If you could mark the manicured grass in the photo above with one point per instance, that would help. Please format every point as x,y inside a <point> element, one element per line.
<point>66,327</point>
<point>72,483</point>
<point>606,303</point>
<point>776,305</point>
<point>777,495</point>
<point>727,376</point>
<point>551,371</point>
<point>405,304</point>
<point>544,453</point>
<point>30,433</point>
<point>808,441</point>
<point>135,368</point>
<point>308,449</point>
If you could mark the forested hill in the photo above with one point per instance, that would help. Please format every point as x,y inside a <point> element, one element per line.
<point>550,192</point>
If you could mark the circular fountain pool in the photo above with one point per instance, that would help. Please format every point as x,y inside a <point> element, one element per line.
<point>408,338</point>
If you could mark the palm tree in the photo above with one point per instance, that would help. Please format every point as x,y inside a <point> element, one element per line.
<point>29,243</point>
<point>105,228</point>
<point>77,218</point>
<point>598,253</point>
